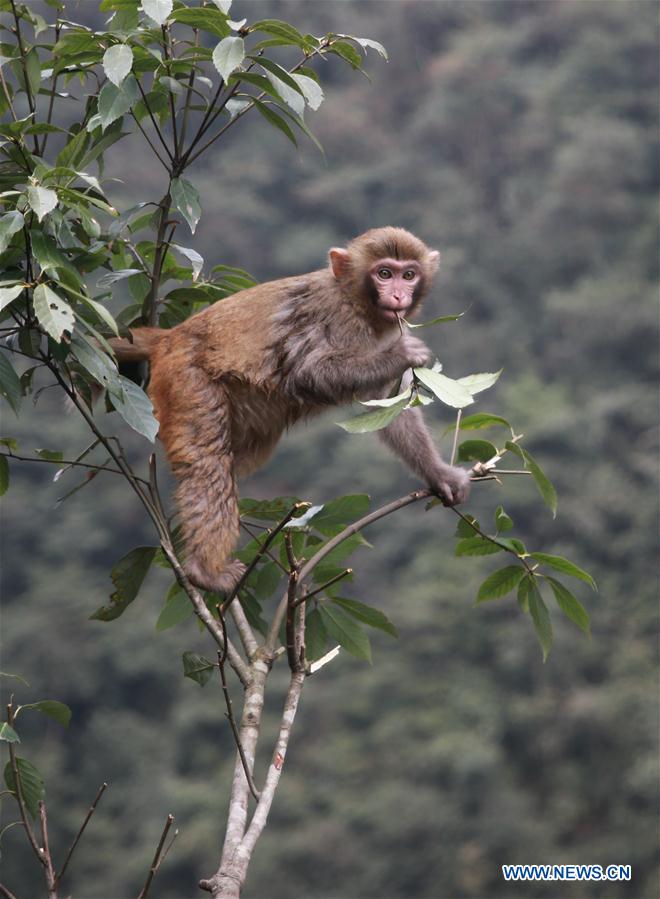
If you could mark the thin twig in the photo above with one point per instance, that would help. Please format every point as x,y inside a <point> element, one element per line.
<point>81,831</point>
<point>149,306</point>
<point>213,626</point>
<point>153,121</point>
<point>455,443</point>
<point>268,553</point>
<point>68,462</point>
<point>260,552</point>
<point>333,580</point>
<point>158,857</point>
<point>222,657</point>
<point>353,528</point>
<point>148,140</point>
<point>6,893</point>
<point>292,653</point>
<point>5,90</point>
<point>168,54</point>
<point>51,878</point>
<point>18,793</point>
<point>53,88</point>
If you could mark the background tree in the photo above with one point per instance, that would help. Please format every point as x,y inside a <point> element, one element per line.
<point>462,142</point>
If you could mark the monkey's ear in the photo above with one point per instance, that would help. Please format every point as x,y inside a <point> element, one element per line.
<point>434,260</point>
<point>338,261</point>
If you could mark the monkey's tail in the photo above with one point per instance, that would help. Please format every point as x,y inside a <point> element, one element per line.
<point>140,347</point>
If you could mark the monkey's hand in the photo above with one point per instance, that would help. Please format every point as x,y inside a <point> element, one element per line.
<point>452,484</point>
<point>413,351</point>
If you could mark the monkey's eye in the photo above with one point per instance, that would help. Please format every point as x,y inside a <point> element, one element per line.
<point>409,275</point>
<point>384,273</point>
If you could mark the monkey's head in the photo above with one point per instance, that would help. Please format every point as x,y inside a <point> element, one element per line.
<point>388,270</point>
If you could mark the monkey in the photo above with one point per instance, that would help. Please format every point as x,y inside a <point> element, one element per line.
<point>229,380</point>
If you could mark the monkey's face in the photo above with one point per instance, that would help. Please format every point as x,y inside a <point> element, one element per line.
<point>395,287</point>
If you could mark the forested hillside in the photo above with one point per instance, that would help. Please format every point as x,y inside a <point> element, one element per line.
<point>521,140</point>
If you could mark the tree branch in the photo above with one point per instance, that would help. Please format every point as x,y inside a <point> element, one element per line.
<point>77,837</point>
<point>158,857</point>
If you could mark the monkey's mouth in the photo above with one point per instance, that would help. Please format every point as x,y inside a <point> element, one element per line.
<point>393,315</point>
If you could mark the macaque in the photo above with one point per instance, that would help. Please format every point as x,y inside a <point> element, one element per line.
<point>228,381</point>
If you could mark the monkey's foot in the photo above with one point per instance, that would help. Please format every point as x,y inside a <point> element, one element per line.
<point>223,582</point>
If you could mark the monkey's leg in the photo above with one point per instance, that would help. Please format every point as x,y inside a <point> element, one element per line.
<point>194,414</point>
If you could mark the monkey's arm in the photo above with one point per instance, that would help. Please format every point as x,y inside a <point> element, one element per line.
<point>409,438</point>
<point>329,376</point>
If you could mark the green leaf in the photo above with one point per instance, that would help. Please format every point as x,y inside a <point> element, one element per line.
<point>54,314</point>
<point>50,455</point>
<point>500,582</point>
<point>435,321</point>
<point>544,484</point>
<point>479,420</point>
<point>387,401</point>
<point>194,257</point>
<point>269,509</point>
<point>98,308</point>
<point>10,384</point>
<point>9,294</point>
<point>33,70</point>
<point>316,636</point>
<point>4,474</point>
<point>127,576</point>
<point>197,667</point>
<point>513,545</point>
<point>464,528</point>
<point>115,102</point>
<point>74,149</point>
<point>569,605</point>
<point>447,390</point>
<point>8,734</point>
<point>10,224</point>
<point>502,521</point>
<point>267,580</point>
<point>480,450</point>
<point>210,20</point>
<point>311,90</point>
<point>365,42</point>
<point>117,62</point>
<point>367,614</point>
<point>476,546</point>
<point>373,421</point>
<point>95,362</point>
<point>135,408</point>
<point>50,707</point>
<point>157,10</point>
<point>50,259</point>
<point>342,627</point>
<point>559,563</point>
<point>32,785</point>
<point>477,383</point>
<point>280,29</point>
<point>541,618</point>
<point>276,120</point>
<point>186,199</point>
<point>332,564</point>
<point>228,56</point>
<point>176,609</point>
<point>524,587</point>
<point>42,199</point>
<point>347,52</point>
<point>339,512</point>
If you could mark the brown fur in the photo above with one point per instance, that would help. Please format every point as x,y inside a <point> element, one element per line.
<point>228,381</point>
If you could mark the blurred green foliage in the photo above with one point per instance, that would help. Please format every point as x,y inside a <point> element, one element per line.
<point>521,140</point>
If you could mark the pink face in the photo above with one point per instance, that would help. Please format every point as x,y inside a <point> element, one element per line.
<point>395,286</point>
